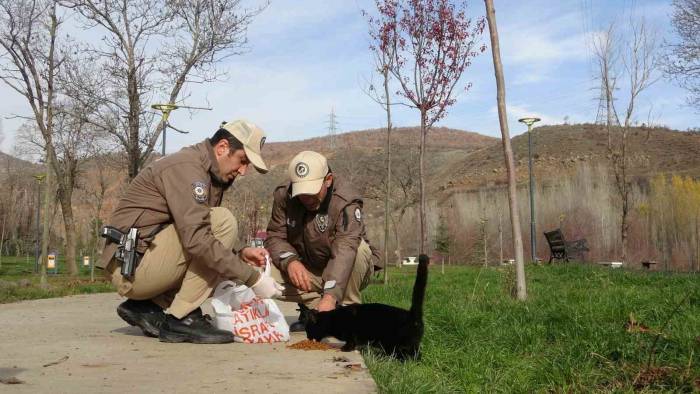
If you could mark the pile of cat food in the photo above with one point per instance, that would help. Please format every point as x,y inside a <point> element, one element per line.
<point>310,345</point>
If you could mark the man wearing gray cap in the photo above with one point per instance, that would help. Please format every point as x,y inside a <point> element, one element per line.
<point>317,239</point>
<point>185,240</point>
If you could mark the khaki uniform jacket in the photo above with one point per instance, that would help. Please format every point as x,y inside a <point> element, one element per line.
<point>325,241</point>
<point>179,189</point>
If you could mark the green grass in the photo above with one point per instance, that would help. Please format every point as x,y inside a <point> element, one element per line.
<point>570,334</point>
<point>19,282</point>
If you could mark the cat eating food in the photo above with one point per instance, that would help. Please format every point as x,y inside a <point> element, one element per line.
<point>396,331</point>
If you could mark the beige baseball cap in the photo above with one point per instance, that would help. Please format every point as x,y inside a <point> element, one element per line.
<point>252,137</point>
<point>307,171</point>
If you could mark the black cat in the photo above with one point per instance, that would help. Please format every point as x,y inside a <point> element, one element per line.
<point>396,331</point>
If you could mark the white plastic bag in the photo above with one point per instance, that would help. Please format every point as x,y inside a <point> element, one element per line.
<point>250,318</point>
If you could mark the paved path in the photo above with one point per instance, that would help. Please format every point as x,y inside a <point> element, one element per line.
<point>79,345</point>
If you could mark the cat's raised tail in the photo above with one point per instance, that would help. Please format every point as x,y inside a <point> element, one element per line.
<point>419,287</point>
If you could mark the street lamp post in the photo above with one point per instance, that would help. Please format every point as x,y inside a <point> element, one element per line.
<point>165,109</point>
<point>533,244</point>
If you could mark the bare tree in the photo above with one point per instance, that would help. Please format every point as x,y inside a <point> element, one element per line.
<point>404,194</point>
<point>205,32</point>
<point>634,58</point>
<point>383,48</point>
<point>122,69</point>
<point>11,195</point>
<point>434,43</point>
<point>682,61</point>
<point>31,61</point>
<point>74,139</point>
<point>194,36</point>
<point>75,142</point>
<point>64,136</point>
<point>521,290</point>
<point>94,188</point>
<point>18,204</point>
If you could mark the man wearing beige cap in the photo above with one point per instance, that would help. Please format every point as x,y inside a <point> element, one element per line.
<point>185,239</point>
<point>316,238</point>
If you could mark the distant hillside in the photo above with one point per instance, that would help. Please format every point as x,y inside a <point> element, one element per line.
<point>11,162</point>
<point>557,149</point>
<point>440,138</point>
<point>456,161</point>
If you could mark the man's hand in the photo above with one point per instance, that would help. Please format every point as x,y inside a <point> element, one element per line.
<point>327,303</point>
<point>299,275</point>
<point>254,256</point>
<point>266,287</point>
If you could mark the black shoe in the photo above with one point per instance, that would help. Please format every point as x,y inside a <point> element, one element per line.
<point>144,314</point>
<point>300,325</point>
<point>194,328</point>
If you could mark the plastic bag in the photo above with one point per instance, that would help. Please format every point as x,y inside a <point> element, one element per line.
<point>251,319</point>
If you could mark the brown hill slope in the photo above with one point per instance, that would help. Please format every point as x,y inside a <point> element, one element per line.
<point>457,161</point>
<point>440,138</point>
<point>11,162</point>
<point>557,150</point>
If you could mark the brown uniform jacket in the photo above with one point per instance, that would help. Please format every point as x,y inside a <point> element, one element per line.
<point>179,189</point>
<point>325,241</point>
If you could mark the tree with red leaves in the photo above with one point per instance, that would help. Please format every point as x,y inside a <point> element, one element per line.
<point>432,43</point>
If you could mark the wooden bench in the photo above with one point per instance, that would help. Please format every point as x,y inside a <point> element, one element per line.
<point>562,249</point>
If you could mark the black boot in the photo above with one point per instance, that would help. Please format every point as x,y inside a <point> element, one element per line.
<point>300,325</point>
<point>144,314</point>
<point>194,328</point>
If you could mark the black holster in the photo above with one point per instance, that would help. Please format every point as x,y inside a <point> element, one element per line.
<point>126,252</point>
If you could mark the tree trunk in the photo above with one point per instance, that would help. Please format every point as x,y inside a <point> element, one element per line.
<point>508,152</point>
<point>398,240</point>
<point>624,226</point>
<point>421,177</point>
<point>387,205</point>
<point>2,237</point>
<point>64,197</point>
<point>46,222</point>
<point>134,151</point>
<point>697,244</point>
<point>500,238</point>
<point>486,252</point>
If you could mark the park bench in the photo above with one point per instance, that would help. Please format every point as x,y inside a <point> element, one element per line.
<point>648,264</point>
<point>562,249</point>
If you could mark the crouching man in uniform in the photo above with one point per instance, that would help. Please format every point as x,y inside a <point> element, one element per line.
<point>186,240</point>
<point>316,238</point>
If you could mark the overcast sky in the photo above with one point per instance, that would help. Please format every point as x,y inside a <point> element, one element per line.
<point>308,56</point>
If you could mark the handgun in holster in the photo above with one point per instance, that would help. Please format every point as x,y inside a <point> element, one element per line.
<point>126,251</point>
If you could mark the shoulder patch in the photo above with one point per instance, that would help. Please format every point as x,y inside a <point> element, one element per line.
<point>358,214</point>
<point>200,191</point>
